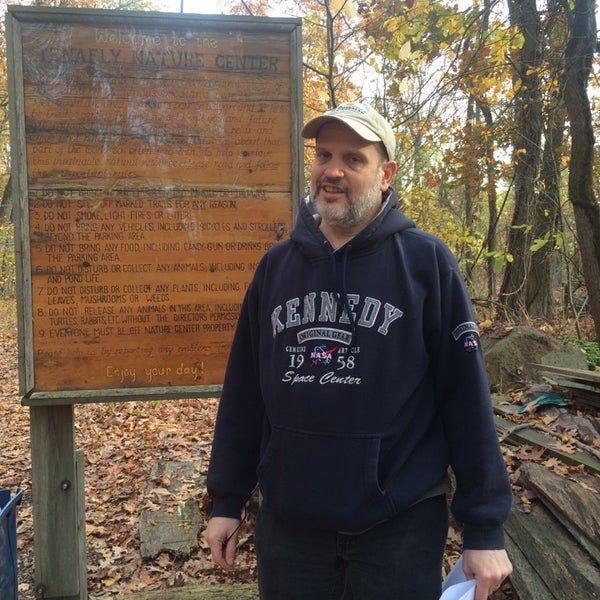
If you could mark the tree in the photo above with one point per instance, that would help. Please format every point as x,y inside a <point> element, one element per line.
<point>538,287</point>
<point>334,53</point>
<point>527,153</point>
<point>578,58</point>
<point>483,73</point>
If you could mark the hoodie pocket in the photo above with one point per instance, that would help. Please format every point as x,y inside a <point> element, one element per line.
<point>324,480</point>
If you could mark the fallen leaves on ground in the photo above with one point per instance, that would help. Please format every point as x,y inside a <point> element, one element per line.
<point>121,442</point>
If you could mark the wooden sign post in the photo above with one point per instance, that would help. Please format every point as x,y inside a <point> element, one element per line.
<point>155,158</point>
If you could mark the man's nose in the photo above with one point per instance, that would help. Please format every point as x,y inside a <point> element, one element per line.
<point>334,169</point>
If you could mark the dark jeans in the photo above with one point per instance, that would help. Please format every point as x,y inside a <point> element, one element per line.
<point>400,559</point>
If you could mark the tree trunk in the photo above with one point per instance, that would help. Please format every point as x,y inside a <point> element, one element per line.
<point>6,204</point>
<point>528,117</point>
<point>492,199</point>
<point>538,292</point>
<point>490,180</point>
<point>578,57</point>
<point>470,188</point>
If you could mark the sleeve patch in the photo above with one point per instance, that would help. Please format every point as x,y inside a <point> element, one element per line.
<point>471,343</point>
<point>467,327</point>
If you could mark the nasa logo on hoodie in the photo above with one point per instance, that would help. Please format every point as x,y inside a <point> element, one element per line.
<point>321,357</point>
<point>471,343</point>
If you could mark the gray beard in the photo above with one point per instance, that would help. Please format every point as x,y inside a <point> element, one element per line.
<point>354,213</point>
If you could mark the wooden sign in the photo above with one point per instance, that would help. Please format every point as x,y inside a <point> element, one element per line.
<point>155,160</point>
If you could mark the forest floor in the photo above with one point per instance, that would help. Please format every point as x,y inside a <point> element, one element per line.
<point>121,442</point>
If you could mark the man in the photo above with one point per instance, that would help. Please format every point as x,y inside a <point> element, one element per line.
<point>355,380</point>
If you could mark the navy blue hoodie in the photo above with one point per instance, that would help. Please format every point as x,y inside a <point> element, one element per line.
<point>355,379</point>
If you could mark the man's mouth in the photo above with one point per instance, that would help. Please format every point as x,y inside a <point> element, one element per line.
<point>330,188</point>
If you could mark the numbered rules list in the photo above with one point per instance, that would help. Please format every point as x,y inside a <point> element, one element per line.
<point>155,159</point>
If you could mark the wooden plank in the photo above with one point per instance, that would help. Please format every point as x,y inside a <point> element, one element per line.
<point>524,578</point>
<point>577,508</point>
<point>20,194</point>
<point>564,567</point>
<point>582,385</point>
<point>202,592</point>
<point>56,522</point>
<point>583,393</point>
<point>590,377</point>
<point>518,433</point>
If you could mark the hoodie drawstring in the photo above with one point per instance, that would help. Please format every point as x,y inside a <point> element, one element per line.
<point>341,292</point>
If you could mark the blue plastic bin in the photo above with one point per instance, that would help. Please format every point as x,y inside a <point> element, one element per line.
<point>9,587</point>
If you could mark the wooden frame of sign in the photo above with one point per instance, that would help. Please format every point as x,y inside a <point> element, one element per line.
<point>155,157</point>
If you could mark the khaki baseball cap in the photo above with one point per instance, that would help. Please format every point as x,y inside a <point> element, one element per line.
<point>363,119</point>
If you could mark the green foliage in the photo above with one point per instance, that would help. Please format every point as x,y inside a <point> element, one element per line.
<point>591,349</point>
<point>557,238</point>
<point>421,204</point>
<point>7,261</point>
<point>500,259</point>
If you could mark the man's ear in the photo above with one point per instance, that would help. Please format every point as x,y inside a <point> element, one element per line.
<point>389,170</point>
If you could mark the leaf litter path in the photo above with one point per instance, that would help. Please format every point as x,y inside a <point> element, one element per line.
<point>121,442</point>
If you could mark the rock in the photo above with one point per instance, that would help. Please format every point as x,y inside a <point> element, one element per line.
<point>510,359</point>
<point>176,524</point>
<point>173,531</point>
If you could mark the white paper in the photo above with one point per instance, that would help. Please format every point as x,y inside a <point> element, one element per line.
<point>460,591</point>
<point>455,576</point>
<point>456,586</point>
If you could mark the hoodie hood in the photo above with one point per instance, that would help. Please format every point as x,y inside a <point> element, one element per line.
<point>314,245</point>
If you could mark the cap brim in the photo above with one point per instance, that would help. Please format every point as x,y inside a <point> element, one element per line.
<point>311,129</point>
